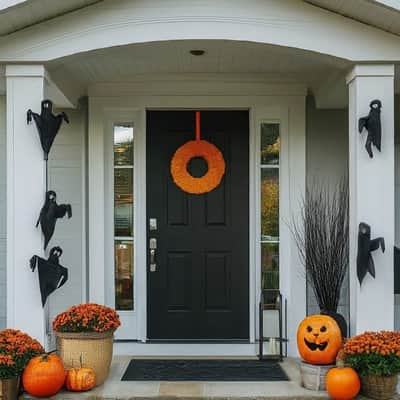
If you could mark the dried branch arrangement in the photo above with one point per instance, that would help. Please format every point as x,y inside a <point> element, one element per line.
<point>322,237</point>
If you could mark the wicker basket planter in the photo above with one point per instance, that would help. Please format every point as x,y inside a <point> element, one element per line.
<point>95,349</point>
<point>9,388</point>
<point>379,387</point>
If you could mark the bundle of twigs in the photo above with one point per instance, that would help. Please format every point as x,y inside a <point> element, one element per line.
<point>322,237</point>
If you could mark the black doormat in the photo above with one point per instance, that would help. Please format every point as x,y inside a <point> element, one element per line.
<point>204,370</point>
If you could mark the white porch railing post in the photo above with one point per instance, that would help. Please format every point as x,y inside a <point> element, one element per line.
<point>25,195</point>
<point>372,183</point>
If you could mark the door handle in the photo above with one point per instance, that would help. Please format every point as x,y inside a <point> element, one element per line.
<point>153,247</point>
<point>152,256</point>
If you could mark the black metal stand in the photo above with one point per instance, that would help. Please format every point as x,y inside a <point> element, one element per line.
<point>271,299</point>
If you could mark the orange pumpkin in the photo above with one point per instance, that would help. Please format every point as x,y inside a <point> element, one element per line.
<point>44,375</point>
<point>80,379</point>
<point>319,339</point>
<point>342,383</point>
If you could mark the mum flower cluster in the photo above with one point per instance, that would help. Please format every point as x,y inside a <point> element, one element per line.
<point>374,353</point>
<point>16,350</point>
<point>87,318</point>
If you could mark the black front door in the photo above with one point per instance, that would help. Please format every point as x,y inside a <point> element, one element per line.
<point>199,286</point>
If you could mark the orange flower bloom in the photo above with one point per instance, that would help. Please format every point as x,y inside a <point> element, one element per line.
<point>87,318</point>
<point>16,349</point>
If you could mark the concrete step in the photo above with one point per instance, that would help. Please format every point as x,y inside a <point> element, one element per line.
<point>114,389</point>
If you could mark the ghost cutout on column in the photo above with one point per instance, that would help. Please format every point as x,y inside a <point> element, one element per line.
<point>372,123</point>
<point>52,275</point>
<point>365,262</point>
<point>48,126</point>
<point>49,214</point>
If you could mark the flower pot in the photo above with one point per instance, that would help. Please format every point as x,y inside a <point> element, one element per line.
<point>9,388</point>
<point>379,387</point>
<point>313,377</point>
<point>93,350</point>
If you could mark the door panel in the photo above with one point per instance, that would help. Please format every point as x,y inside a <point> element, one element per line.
<point>200,289</point>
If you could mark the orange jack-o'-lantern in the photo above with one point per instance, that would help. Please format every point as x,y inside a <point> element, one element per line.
<point>319,339</point>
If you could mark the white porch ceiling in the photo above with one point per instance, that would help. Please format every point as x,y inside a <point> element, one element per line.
<point>127,63</point>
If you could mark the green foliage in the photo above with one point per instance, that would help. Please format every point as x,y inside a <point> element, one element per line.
<point>374,364</point>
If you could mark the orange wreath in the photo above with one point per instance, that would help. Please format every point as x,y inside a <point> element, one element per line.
<point>197,148</point>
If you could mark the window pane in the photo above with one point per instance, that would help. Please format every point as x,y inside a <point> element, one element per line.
<point>123,201</point>
<point>123,275</point>
<point>270,265</point>
<point>123,145</point>
<point>269,204</point>
<point>270,144</point>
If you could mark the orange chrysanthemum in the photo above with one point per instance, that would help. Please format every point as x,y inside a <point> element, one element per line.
<point>87,318</point>
<point>215,162</point>
<point>374,353</point>
<point>16,350</point>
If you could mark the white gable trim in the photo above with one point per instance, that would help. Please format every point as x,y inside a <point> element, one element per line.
<point>121,22</point>
<point>6,4</point>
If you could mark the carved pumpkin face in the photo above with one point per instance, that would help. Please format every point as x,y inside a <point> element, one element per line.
<point>319,339</point>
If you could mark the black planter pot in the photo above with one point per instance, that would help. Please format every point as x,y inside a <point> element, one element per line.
<point>340,320</point>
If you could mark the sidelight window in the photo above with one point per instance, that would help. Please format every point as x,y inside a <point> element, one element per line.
<point>123,216</point>
<point>270,157</point>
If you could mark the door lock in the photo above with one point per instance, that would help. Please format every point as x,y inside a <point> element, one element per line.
<point>153,247</point>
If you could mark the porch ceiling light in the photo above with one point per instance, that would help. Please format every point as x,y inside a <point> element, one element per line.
<point>197,52</point>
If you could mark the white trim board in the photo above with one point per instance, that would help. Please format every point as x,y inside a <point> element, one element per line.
<point>292,24</point>
<point>289,110</point>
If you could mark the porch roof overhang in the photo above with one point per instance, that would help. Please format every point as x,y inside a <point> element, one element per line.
<point>294,23</point>
<point>61,38</point>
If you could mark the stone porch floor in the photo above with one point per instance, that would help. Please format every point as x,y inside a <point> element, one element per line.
<point>114,389</point>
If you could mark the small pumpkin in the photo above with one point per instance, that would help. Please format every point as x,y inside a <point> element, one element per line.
<point>342,383</point>
<point>80,379</point>
<point>44,376</point>
<point>319,339</point>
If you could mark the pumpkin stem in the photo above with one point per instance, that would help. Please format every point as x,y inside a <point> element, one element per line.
<point>45,358</point>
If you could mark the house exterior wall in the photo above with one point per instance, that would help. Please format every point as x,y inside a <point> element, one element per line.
<point>327,158</point>
<point>67,178</point>
<point>327,163</point>
<point>397,201</point>
<point>3,211</point>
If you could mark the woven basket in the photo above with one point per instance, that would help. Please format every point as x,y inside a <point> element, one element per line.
<point>93,350</point>
<point>379,387</point>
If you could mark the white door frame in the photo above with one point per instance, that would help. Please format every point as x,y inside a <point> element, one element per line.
<point>114,103</point>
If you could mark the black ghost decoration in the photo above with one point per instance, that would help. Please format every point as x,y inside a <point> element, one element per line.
<point>52,275</point>
<point>372,123</point>
<point>365,263</point>
<point>48,126</point>
<point>49,214</point>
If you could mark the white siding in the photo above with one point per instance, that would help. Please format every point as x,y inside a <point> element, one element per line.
<point>3,292</point>
<point>66,177</point>
<point>327,162</point>
<point>397,201</point>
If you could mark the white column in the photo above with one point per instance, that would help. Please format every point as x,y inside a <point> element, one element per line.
<point>25,195</point>
<point>372,197</point>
